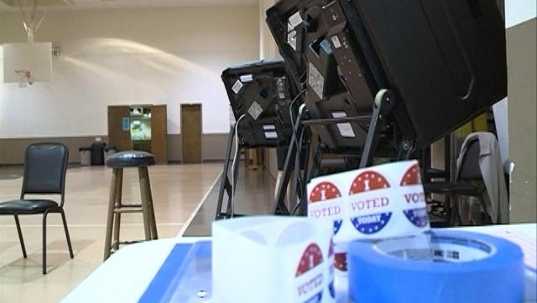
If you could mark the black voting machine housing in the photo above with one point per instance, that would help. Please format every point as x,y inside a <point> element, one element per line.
<point>443,63</point>
<point>262,91</point>
<point>401,74</point>
<point>444,60</point>
<point>260,95</point>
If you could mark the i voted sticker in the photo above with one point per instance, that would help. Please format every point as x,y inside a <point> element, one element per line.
<point>412,180</point>
<point>309,276</point>
<point>322,192</point>
<point>374,219</point>
<point>381,201</point>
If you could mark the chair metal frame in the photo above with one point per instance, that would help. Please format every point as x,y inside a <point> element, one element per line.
<point>452,188</point>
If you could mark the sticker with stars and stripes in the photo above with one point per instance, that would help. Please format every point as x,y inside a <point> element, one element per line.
<point>375,220</point>
<point>309,275</point>
<point>324,192</point>
<point>417,216</point>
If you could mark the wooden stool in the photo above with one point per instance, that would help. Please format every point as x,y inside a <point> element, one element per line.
<point>117,162</point>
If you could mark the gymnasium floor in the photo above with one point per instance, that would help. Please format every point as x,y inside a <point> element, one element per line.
<point>177,193</point>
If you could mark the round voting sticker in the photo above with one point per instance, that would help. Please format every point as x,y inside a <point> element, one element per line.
<point>326,191</point>
<point>373,222</point>
<point>417,216</point>
<point>309,288</point>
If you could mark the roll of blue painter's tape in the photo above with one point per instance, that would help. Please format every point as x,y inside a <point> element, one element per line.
<point>450,267</point>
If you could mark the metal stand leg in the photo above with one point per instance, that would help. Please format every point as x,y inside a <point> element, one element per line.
<point>45,243</point>
<point>231,213</point>
<point>67,237</point>
<point>375,125</point>
<point>311,165</point>
<point>279,179</point>
<point>21,239</point>
<point>280,207</point>
<point>225,185</point>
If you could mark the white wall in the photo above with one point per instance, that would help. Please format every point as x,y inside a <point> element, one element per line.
<point>128,56</point>
<point>519,11</point>
<point>267,46</point>
<point>521,62</point>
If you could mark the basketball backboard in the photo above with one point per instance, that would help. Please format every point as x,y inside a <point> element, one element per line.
<point>27,62</point>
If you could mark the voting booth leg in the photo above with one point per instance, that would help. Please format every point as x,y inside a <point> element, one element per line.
<point>280,207</point>
<point>225,184</point>
<point>311,168</point>
<point>383,103</point>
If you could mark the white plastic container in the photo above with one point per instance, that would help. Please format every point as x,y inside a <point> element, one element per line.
<point>273,259</point>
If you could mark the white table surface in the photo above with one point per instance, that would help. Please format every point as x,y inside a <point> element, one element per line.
<point>125,276</point>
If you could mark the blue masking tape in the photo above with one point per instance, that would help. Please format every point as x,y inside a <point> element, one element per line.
<point>460,267</point>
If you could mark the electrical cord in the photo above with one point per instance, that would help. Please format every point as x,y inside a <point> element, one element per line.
<point>234,166</point>
<point>300,181</point>
<point>291,105</point>
<point>299,119</point>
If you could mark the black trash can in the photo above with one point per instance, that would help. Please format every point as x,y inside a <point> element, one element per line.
<point>97,153</point>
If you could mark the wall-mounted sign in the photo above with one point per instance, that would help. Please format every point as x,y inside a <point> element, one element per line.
<point>126,124</point>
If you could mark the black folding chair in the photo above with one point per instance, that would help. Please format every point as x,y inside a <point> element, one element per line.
<point>45,166</point>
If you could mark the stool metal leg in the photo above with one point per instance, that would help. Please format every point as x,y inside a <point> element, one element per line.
<point>118,204</point>
<point>110,216</point>
<point>144,184</point>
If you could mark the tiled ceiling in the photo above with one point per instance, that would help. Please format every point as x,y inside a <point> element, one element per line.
<point>82,4</point>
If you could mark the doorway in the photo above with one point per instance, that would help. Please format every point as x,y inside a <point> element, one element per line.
<point>191,129</point>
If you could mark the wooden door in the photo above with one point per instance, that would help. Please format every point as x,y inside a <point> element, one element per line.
<point>191,128</point>
<point>159,133</point>
<point>119,127</point>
